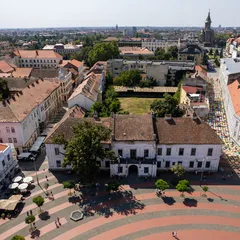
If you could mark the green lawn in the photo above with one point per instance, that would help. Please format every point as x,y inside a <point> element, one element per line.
<point>136,105</point>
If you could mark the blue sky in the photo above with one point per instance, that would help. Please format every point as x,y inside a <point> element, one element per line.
<point>75,13</point>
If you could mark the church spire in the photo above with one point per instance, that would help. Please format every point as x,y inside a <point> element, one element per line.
<point>208,20</point>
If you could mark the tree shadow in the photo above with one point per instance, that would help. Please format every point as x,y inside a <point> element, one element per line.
<point>168,200</point>
<point>35,234</point>
<point>44,216</point>
<point>123,203</point>
<point>31,187</point>
<point>74,199</point>
<point>190,202</point>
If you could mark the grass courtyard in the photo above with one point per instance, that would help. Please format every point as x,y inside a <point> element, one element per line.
<point>136,105</point>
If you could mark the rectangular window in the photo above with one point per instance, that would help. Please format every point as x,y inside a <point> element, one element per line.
<point>146,170</point>
<point>9,140</point>
<point>199,165</point>
<point>193,152</point>
<point>13,129</point>
<point>7,129</point>
<point>181,151</point>
<point>120,169</point>
<point>56,151</point>
<point>133,153</point>
<point>191,164</point>
<point>159,164</point>
<point>167,164</point>
<point>146,153</point>
<point>58,162</point>
<point>159,151</point>
<point>120,152</point>
<point>107,164</point>
<point>208,164</point>
<point>8,157</point>
<point>168,153</point>
<point>3,163</point>
<point>14,140</point>
<point>179,163</point>
<point>210,152</point>
<point>1,141</point>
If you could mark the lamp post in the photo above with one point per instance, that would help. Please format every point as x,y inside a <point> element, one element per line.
<point>36,171</point>
<point>202,169</point>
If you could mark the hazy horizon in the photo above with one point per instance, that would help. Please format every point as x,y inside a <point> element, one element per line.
<point>79,13</point>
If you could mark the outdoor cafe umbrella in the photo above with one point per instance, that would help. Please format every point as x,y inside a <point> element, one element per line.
<point>17,179</point>
<point>27,179</point>
<point>23,186</point>
<point>13,185</point>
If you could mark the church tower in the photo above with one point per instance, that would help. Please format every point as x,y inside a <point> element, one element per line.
<point>207,34</point>
<point>208,21</point>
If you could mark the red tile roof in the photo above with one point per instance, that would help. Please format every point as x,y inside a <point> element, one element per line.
<point>37,54</point>
<point>200,69</point>
<point>234,90</point>
<point>5,67</point>
<point>3,147</point>
<point>191,89</point>
<point>76,63</point>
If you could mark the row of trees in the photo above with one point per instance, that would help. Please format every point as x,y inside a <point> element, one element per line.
<point>170,54</point>
<point>216,52</point>
<point>110,104</point>
<point>169,105</point>
<point>91,54</point>
<point>133,78</point>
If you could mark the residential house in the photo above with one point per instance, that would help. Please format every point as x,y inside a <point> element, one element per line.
<point>22,115</point>
<point>37,58</point>
<point>5,67</point>
<point>8,163</point>
<point>147,145</point>
<point>154,44</point>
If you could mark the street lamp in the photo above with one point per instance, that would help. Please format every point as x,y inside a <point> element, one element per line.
<point>36,171</point>
<point>202,168</point>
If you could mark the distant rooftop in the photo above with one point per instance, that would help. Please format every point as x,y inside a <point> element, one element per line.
<point>232,65</point>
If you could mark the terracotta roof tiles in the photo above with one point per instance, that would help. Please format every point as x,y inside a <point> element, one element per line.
<point>234,90</point>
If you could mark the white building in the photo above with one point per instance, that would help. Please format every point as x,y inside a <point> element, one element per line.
<point>23,114</point>
<point>7,162</point>
<point>153,44</point>
<point>148,145</point>
<point>229,77</point>
<point>153,69</point>
<point>37,58</point>
<point>64,49</point>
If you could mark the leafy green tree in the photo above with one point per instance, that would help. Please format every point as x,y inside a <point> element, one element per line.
<point>18,237</point>
<point>161,185</point>
<point>29,220</point>
<point>85,148</point>
<point>82,55</point>
<point>211,52</point>
<point>59,139</point>
<point>70,185</point>
<point>205,189</point>
<point>39,201</point>
<point>178,170</point>
<point>112,186</point>
<point>4,90</point>
<point>115,106</point>
<point>173,51</point>
<point>216,62</point>
<point>216,53</point>
<point>102,52</point>
<point>128,78</point>
<point>183,186</point>
<point>167,106</point>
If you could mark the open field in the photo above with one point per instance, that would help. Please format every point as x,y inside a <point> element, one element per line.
<point>136,105</point>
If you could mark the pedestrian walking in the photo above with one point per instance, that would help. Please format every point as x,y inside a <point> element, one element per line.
<point>27,213</point>
<point>46,177</point>
<point>51,193</point>
<point>56,224</point>
<point>173,234</point>
<point>58,220</point>
<point>31,212</point>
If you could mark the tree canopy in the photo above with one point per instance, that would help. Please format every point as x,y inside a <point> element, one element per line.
<point>4,90</point>
<point>170,54</point>
<point>128,78</point>
<point>18,237</point>
<point>167,106</point>
<point>85,148</point>
<point>178,170</point>
<point>111,104</point>
<point>29,219</point>
<point>161,184</point>
<point>112,186</point>
<point>82,55</point>
<point>102,52</point>
<point>183,186</point>
<point>39,201</point>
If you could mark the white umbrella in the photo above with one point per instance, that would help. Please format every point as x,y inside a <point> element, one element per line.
<point>17,179</point>
<point>27,179</point>
<point>23,186</point>
<point>13,186</point>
